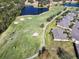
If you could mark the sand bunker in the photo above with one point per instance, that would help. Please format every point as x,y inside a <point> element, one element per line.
<point>35,34</point>
<point>16,22</point>
<point>22,19</point>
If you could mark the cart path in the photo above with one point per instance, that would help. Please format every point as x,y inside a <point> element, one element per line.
<point>44,29</point>
<point>43,34</point>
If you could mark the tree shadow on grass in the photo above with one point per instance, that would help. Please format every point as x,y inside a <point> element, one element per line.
<point>62,54</point>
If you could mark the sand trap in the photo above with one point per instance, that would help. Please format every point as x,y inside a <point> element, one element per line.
<point>35,34</point>
<point>73,40</point>
<point>29,18</point>
<point>16,22</point>
<point>22,19</point>
<point>77,42</point>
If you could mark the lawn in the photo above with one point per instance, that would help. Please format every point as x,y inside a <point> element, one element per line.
<point>18,42</point>
<point>51,44</point>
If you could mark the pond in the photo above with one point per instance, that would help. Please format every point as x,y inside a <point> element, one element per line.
<point>72,4</point>
<point>30,10</point>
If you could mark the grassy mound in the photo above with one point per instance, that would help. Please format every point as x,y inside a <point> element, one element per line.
<point>18,42</point>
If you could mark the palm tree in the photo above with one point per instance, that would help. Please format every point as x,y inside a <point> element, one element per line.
<point>62,54</point>
<point>44,53</point>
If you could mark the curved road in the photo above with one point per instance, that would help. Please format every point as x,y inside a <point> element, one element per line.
<point>44,29</point>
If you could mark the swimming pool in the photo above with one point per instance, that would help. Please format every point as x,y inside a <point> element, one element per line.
<point>30,10</point>
<point>72,4</point>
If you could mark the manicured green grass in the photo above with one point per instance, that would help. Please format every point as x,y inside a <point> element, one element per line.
<point>17,41</point>
<point>51,44</point>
